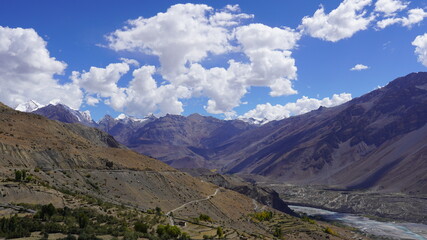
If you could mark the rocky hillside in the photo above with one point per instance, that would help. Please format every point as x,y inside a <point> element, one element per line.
<point>64,113</point>
<point>376,141</point>
<point>185,142</point>
<point>263,195</point>
<point>44,161</point>
<point>182,142</point>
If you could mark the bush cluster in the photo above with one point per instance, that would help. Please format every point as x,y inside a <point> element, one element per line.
<point>263,216</point>
<point>83,222</point>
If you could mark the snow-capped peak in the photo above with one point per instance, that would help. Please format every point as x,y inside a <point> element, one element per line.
<point>86,115</point>
<point>122,116</point>
<point>254,121</point>
<point>29,106</point>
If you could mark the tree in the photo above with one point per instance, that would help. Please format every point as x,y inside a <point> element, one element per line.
<point>141,227</point>
<point>47,211</point>
<point>83,220</point>
<point>204,217</point>
<point>278,232</point>
<point>158,211</point>
<point>219,232</point>
<point>18,175</point>
<point>168,232</point>
<point>24,175</point>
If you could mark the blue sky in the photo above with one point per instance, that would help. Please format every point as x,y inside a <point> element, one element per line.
<point>284,65</point>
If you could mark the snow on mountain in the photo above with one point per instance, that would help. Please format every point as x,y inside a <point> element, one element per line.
<point>125,118</point>
<point>29,106</point>
<point>86,115</point>
<point>255,121</point>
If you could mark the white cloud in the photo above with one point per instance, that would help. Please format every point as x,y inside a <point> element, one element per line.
<point>344,21</point>
<point>359,67</point>
<point>270,64</point>
<point>142,96</point>
<point>130,61</point>
<point>268,50</point>
<point>415,16</point>
<point>101,80</point>
<point>233,8</point>
<point>27,71</point>
<point>92,101</point>
<point>256,36</point>
<point>420,44</point>
<point>267,112</point>
<point>186,34</point>
<point>390,7</point>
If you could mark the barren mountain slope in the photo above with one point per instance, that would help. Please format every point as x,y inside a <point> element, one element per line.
<point>185,142</point>
<point>369,142</point>
<point>68,159</point>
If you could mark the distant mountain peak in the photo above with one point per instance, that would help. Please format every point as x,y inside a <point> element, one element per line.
<point>254,121</point>
<point>122,116</point>
<point>87,116</point>
<point>29,106</point>
<point>61,112</point>
<point>125,118</point>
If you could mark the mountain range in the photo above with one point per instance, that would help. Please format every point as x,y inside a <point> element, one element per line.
<point>377,141</point>
<point>73,166</point>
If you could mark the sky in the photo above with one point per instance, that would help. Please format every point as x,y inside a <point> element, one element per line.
<point>265,60</point>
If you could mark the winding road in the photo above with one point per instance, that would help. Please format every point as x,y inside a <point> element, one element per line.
<point>188,203</point>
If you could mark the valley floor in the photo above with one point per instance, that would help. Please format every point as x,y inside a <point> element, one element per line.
<point>376,205</point>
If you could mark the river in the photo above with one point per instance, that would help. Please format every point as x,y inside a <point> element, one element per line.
<point>385,229</point>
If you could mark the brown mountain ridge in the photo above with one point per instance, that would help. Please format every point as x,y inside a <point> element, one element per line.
<point>68,159</point>
<point>376,141</point>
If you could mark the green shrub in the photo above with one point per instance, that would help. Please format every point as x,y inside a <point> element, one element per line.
<point>204,217</point>
<point>141,227</point>
<point>329,230</point>
<point>219,232</point>
<point>278,232</point>
<point>130,235</point>
<point>47,211</point>
<point>307,219</point>
<point>168,232</point>
<point>263,216</point>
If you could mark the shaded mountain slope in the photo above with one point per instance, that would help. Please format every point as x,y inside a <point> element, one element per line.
<point>65,114</point>
<point>369,142</point>
<point>185,141</point>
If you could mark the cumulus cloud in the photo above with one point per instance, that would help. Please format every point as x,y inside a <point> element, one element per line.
<point>186,34</point>
<point>415,16</point>
<point>390,7</point>
<point>420,44</point>
<point>27,71</point>
<point>264,113</point>
<point>144,96</point>
<point>140,97</point>
<point>344,21</point>
<point>359,67</point>
<point>92,101</point>
<point>269,52</point>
